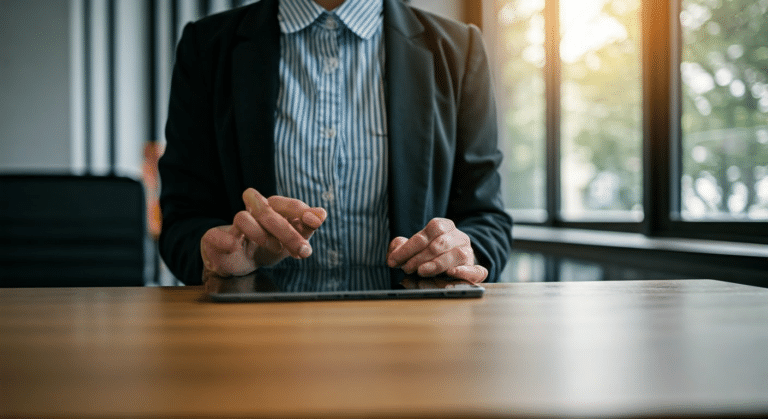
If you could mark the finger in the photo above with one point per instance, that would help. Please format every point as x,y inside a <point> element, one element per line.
<point>245,222</point>
<point>435,228</point>
<point>287,207</point>
<point>222,240</point>
<point>302,228</point>
<point>276,224</point>
<point>456,256</point>
<point>472,273</point>
<point>407,250</point>
<point>441,263</point>
<point>314,217</point>
<point>291,208</point>
<point>216,245</point>
<point>438,246</point>
<point>395,243</point>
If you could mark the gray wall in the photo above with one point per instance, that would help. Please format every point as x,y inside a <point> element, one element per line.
<point>34,85</point>
<point>448,8</point>
<point>36,110</point>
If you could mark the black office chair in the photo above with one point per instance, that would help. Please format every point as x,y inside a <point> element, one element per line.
<point>62,230</point>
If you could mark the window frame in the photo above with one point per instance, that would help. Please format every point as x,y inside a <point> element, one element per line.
<point>661,133</point>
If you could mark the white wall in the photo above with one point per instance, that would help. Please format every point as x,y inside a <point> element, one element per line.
<point>34,85</point>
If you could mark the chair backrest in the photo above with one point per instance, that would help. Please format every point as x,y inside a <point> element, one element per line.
<point>63,230</point>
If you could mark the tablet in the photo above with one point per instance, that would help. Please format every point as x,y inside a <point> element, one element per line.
<point>335,284</point>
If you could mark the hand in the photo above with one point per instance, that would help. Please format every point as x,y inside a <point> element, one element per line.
<point>268,231</point>
<point>439,248</point>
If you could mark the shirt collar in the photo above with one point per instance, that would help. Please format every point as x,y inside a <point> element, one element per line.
<point>363,17</point>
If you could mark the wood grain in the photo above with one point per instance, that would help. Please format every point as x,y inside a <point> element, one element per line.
<point>634,349</point>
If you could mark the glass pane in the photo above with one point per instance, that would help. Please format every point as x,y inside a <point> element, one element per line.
<point>520,61</point>
<point>601,137</point>
<point>524,267</point>
<point>724,110</point>
<point>573,270</point>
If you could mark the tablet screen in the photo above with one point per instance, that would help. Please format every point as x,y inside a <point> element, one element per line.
<point>335,284</point>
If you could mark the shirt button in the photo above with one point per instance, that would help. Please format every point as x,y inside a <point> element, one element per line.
<point>333,257</point>
<point>330,23</point>
<point>331,65</point>
<point>330,132</point>
<point>327,196</point>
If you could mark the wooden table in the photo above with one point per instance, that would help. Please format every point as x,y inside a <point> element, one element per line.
<point>631,349</point>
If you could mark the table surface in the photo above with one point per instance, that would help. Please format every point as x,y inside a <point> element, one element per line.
<point>632,349</point>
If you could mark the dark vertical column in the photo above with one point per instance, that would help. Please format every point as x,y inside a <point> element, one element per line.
<point>552,120</point>
<point>204,6</point>
<point>552,268</point>
<point>174,24</point>
<point>661,128</point>
<point>111,71</point>
<point>87,84</point>
<point>673,90</point>
<point>152,70</point>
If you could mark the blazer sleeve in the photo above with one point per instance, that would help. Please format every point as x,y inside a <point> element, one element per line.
<point>475,204</point>
<point>192,199</point>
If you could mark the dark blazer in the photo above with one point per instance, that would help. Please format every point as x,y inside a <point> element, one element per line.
<point>441,121</point>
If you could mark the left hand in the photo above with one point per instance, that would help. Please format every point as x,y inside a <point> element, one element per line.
<point>439,248</point>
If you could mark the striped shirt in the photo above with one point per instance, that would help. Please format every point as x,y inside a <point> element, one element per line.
<point>330,131</point>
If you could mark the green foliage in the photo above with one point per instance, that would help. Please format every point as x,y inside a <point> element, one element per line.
<point>725,108</point>
<point>601,109</point>
<point>522,97</point>
<point>606,118</point>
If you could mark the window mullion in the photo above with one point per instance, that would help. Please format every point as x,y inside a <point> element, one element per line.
<point>552,92</point>
<point>658,120</point>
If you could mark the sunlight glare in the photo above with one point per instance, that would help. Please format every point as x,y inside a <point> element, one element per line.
<point>585,27</point>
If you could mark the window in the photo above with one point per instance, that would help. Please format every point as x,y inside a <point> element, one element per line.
<point>634,116</point>
<point>601,102</point>
<point>521,84</point>
<point>724,73</point>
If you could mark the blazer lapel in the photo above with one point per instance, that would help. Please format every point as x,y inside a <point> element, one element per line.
<point>410,117</point>
<point>255,83</point>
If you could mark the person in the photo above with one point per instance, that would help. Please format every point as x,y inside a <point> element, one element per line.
<point>332,133</point>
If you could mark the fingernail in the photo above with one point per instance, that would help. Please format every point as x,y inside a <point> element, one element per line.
<point>319,212</point>
<point>254,200</point>
<point>305,251</point>
<point>311,219</point>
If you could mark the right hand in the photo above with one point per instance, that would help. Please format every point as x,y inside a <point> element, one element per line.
<point>268,231</point>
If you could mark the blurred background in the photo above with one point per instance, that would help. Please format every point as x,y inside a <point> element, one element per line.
<point>635,133</point>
